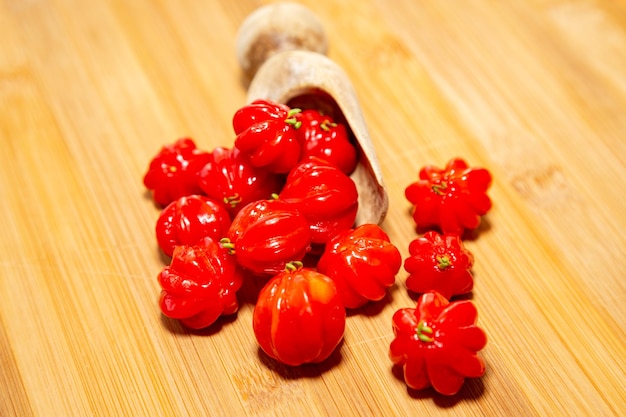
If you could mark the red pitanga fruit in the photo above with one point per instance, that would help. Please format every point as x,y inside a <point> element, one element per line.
<point>326,196</point>
<point>200,284</point>
<point>229,177</point>
<point>436,343</point>
<point>439,263</point>
<point>299,317</point>
<point>266,135</point>
<point>452,198</point>
<point>188,220</point>
<point>362,262</point>
<point>173,171</point>
<point>326,139</point>
<point>267,234</point>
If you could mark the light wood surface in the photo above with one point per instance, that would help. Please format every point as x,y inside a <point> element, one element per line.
<point>533,90</point>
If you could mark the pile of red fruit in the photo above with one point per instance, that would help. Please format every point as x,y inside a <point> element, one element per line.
<point>278,207</point>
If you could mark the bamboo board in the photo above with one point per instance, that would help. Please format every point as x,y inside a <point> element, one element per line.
<point>533,90</point>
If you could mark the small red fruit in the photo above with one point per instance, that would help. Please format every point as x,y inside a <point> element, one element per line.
<point>299,317</point>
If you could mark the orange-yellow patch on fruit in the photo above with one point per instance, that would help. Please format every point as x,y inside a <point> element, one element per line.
<point>321,290</point>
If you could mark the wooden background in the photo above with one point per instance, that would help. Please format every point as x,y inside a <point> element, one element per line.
<point>533,90</point>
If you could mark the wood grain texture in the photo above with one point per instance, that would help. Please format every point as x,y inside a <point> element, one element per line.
<point>533,90</point>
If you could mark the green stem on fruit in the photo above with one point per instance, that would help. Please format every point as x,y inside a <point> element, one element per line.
<point>293,266</point>
<point>327,124</point>
<point>444,261</point>
<point>423,331</point>
<point>440,189</point>
<point>233,200</point>
<point>291,120</point>
<point>227,244</point>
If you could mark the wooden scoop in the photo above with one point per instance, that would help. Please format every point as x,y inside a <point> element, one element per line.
<point>308,79</point>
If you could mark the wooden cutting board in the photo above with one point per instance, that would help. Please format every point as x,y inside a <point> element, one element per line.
<point>533,90</point>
